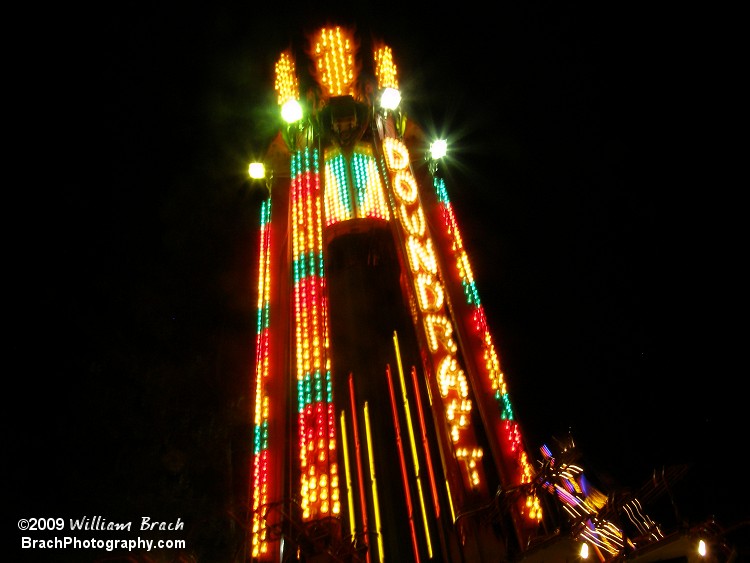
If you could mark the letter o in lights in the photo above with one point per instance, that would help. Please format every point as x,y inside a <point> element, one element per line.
<point>405,186</point>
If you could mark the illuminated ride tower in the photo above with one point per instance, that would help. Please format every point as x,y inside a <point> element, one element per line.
<point>383,427</point>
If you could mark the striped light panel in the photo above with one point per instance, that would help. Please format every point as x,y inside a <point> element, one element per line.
<point>319,479</point>
<point>492,363</point>
<point>260,475</point>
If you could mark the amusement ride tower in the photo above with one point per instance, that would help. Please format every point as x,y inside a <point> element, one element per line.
<point>383,425</point>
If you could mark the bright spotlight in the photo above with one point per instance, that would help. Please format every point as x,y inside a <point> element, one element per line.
<point>257,171</point>
<point>584,551</point>
<point>390,99</point>
<point>438,149</point>
<point>291,111</point>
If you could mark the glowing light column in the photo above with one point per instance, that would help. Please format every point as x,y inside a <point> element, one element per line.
<point>260,434</point>
<point>319,480</point>
<point>429,294</point>
<point>514,459</point>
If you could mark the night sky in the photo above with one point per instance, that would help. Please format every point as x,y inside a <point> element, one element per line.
<point>585,179</point>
